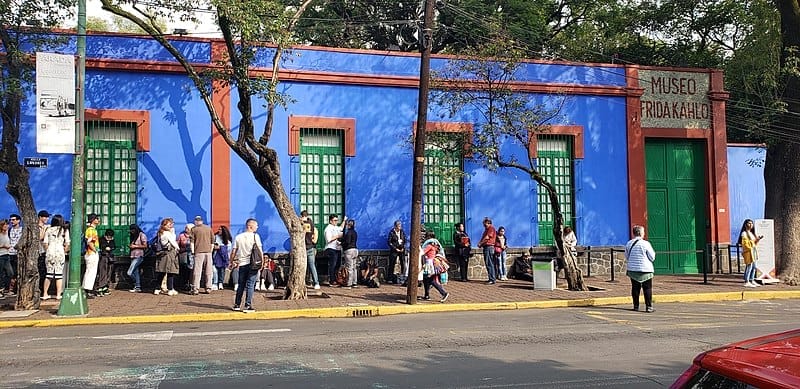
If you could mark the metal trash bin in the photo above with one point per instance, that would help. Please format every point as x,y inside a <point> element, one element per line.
<point>544,278</point>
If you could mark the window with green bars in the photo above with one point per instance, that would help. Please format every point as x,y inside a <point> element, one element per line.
<point>555,164</point>
<point>321,175</point>
<point>111,178</point>
<point>442,188</point>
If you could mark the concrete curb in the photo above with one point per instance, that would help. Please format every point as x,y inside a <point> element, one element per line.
<point>385,310</point>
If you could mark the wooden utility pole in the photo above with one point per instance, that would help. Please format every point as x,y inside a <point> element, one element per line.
<point>419,150</point>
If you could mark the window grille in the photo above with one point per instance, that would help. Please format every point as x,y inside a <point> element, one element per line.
<point>111,178</point>
<point>442,189</point>
<point>555,164</point>
<point>322,175</point>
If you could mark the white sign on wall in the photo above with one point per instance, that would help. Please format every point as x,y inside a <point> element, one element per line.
<point>765,248</point>
<point>55,103</point>
<point>675,99</point>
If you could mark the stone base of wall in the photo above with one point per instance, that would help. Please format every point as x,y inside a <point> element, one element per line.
<point>593,261</point>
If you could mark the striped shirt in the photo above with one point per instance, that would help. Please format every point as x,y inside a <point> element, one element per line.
<point>640,255</point>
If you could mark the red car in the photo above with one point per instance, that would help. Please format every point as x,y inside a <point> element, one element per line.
<point>771,361</point>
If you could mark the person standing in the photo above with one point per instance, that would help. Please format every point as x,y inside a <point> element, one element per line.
<point>397,251</point>
<point>5,264</point>
<point>167,258</point>
<point>222,258</point>
<point>500,246</point>
<point>92,256</point>
<point>41,263</point>
<point>350,248</point>
<point>105,263</point>
<point>487,242</point>
<point>14,235</point>
<point>432,252</point>
<point>243,245</point>
<point>202,244</point>
<point>311,247</point>
<point>333,247</point>
<point>748,239</point>
<point>56,245</point>
<point>639,255</point>
<point>138,243</point>
<point>185,260</point>
<point>463,248</point>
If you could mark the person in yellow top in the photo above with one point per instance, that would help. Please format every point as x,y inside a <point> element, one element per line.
<point>92,257</point>
<point>748,239</point>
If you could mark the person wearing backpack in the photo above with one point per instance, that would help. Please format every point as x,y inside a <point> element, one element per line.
<point>167,257</point>
<point>138,245</point>
<point>92,256</point>
<point>243,247</point>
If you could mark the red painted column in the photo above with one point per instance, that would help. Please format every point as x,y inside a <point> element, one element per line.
<point>718,163</point>
<point>637,180</point>
<point>220,152</point>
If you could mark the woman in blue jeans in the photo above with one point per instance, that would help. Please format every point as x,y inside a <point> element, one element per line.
<point>138,244</point>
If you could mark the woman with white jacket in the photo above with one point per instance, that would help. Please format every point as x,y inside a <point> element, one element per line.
<point>639,255</point>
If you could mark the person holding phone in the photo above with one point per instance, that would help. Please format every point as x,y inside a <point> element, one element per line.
<point>748,239</point>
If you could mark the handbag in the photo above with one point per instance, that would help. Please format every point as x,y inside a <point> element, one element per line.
<point>256,257</point>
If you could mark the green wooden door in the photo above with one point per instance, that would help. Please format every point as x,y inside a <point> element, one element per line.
<point>111,187</point>
<point>676,205</point>
<point>555,164</point>
<point>321,176</point>
<point>442,202</point>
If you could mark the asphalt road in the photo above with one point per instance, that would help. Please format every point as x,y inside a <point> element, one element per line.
<point>608,347</point>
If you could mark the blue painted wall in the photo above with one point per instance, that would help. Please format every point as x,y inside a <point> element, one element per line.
<point>174,176</point>
<point>745,185</point>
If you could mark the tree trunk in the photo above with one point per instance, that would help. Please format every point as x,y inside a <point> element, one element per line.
<point>267,173</point>
<point>28,247</point>
<point>572,273</point>
<point>18,186</point>
<point>783,158</point>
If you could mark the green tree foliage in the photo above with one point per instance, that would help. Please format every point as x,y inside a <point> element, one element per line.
<point>247,26</point>
<point>481,82</point>
<point>26,29</point>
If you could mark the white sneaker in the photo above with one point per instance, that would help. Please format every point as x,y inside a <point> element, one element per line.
<point>221,286</point>
<point>214,287</point>
<point>271,287</point>
<point>157,292</point>
<point>258,287</point>
<point>172,292</point>
<point>316,286</point>
<point>748,285</point>
<point>755,284</point>
<point>236,287</point>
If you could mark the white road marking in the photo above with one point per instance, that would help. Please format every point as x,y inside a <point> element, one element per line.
<point>164,335</point>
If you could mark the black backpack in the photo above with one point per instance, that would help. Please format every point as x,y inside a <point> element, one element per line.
<point>154,247</point>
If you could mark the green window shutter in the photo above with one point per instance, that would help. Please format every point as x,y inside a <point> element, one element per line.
<point>321,175</point>
<point>555,164</point>
<point>442,189</point>
<point>111,178</point>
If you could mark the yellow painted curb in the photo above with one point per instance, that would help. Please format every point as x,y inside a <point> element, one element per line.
<point>770,294</point>
<point>384,310</point>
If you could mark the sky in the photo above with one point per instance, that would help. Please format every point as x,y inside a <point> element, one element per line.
<point>206,29</point>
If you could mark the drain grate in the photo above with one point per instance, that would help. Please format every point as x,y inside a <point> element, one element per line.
<point>363,313</point>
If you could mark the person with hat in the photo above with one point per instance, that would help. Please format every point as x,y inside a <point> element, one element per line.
<point>202,244</point>
<point>92,256</point>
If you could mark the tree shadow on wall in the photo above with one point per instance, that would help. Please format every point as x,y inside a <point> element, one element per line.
<point>168,96</point>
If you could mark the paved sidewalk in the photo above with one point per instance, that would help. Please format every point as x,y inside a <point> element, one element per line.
<point>125,307</point>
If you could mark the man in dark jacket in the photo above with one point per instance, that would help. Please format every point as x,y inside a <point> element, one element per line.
<point>397,250</point>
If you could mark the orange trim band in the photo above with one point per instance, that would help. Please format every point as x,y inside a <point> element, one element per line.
<point>575,131</point>
<point>141,118</point>
<point>296,123</point>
